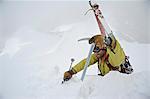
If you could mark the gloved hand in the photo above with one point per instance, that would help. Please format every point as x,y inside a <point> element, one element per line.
<point>68,75</point>
<point>108,41</point>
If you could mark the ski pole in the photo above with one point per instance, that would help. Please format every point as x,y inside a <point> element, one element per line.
<point>72,60</point>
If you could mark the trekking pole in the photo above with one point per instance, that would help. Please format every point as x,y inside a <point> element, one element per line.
<point>72,60</point>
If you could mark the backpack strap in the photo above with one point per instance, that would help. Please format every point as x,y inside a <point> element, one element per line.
<point>105,59</point>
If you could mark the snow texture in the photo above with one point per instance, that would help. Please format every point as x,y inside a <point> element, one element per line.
<point>33,62</point>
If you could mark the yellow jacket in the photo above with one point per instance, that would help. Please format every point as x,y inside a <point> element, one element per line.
<point>115,58</point>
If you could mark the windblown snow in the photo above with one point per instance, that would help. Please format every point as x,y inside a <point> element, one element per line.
<point>33,63</point>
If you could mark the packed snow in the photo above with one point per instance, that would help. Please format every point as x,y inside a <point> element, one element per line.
<point>33,62</point>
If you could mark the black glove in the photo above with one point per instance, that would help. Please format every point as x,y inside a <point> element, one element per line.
<point>108,41</point>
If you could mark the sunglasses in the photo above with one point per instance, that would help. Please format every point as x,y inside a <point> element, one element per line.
<point>97,49</point>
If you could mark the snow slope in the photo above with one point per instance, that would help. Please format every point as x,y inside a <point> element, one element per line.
<point>33,68</point>
<point>33,62</point>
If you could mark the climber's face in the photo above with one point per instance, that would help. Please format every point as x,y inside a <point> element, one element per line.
<point>99,48</point>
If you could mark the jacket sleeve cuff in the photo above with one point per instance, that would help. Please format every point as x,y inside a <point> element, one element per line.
<point>74,71</point>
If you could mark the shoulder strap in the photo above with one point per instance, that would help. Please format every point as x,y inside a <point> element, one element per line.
<point>108,63</point>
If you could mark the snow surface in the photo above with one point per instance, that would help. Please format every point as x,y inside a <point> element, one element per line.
<point>33,68</point>
<point>33,62</point>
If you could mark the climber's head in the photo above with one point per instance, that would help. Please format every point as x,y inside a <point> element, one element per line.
<point>99,43</point>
